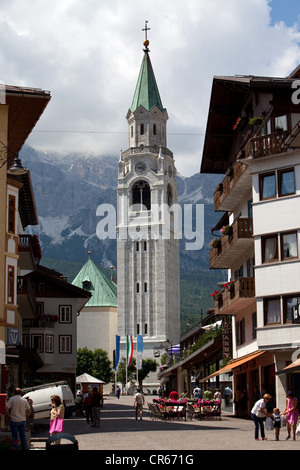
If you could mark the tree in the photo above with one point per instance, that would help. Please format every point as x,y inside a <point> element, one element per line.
<point>95,363</point>
<point>148,365</point>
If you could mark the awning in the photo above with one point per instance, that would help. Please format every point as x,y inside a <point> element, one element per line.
<point>293,367</point>
<point>233,364</point>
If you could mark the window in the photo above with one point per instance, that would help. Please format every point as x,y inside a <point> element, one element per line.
<point>65,314</point>
<point>138,329</point>
<point>131,129</point>
<point>37,342</point>
<point>286,182</point>
<point>267,186</point>
<point>290,304</point>
<point>11,213</point>
<point>49,346</point>
<point>65,344</point>
<point>280,123</point>
<point>137,288</point>
<point>269,249</point>
<point>289,245</point>
<point>137,246</point>
<point>10,285</point>
<point>145,287</point>
<point>254,325</point>
<point>142,129</point>
<point>283,179</point>
<point>154,129</point>
<point>272,311</point>
<point>146,328</point>
<point>40,308</point>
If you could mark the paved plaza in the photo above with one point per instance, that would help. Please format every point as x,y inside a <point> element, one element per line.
<point>120,431</point>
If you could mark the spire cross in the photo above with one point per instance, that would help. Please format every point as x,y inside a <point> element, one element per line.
<point>146,29</point>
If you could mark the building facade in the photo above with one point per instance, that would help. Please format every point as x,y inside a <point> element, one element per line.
<point>252,138</point>
<point>147,246</point>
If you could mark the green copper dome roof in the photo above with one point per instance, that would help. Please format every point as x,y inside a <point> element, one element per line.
<point>104,291</point>
<point>146,91</point>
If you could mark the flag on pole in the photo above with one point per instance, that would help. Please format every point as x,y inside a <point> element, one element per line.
<point>139,340</point>
<point>129,351</point>
<point>117,355</point>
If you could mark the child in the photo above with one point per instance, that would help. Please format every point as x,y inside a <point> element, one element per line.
<point>277,422</point>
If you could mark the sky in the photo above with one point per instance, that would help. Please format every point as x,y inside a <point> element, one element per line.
<point>88,53</point>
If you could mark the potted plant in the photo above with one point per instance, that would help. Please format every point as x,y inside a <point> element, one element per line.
<point>215,243</point>
<point>256,121</point>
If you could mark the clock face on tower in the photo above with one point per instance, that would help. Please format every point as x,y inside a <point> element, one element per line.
<point>140,167</point>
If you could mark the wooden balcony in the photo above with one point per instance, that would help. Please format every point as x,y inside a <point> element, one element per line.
<point>236,297</point>
<point>29,251</point>
<point>232,245</point>
<point>265,145</point>
<point>238,178</point>
<point>232,189</point>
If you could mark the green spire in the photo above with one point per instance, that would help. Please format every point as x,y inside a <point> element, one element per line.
<point>146,91</point>
<point>104,291</point>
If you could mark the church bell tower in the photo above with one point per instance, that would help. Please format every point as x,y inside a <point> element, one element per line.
<point>147,245</point>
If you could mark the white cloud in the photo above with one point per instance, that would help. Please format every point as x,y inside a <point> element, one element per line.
<point>88,54</point>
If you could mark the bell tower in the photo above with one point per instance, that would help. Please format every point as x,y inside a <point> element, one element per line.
<point>147,240</point>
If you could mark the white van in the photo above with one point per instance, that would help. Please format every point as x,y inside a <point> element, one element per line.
<point>41,398</point>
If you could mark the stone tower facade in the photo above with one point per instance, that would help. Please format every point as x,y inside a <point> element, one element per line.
<point>147,241</point>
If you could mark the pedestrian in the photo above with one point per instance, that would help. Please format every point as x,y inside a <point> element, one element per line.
<point>227,395</point>
<point>258,414</point>
<point>139,401</point>
<point>174,395</point>
<point>18,409</point>
<point>97,405</point>
<point>207,395</point>
<point>29,420</point>
<point>57,415</point>
<point>118,392</point>
<point>291,412</point>
<point>277,422</point>
<point>197,392</point>
<point>88,407</point>
<point>218,395</point>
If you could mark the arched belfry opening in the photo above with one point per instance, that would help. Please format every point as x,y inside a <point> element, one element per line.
<point>141,196</point>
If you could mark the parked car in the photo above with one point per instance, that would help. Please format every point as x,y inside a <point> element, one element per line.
<point>41,398</point>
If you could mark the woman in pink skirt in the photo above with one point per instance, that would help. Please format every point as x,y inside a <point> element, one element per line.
<point>291,412</point>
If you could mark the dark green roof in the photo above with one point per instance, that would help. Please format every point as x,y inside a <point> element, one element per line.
<point>146,91</point>
<point>103,290</point>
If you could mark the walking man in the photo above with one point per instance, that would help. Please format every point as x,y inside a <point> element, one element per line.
<point>18,409</point>
<point>139,401</point>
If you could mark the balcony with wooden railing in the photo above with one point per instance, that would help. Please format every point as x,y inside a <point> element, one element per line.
<point>237,296</point>
<point>238,177</point>
<point>232,245</point>
<point>232,189</point>
<point>265,145</point>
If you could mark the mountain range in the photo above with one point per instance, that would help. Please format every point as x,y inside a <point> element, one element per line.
<point>69,188</point>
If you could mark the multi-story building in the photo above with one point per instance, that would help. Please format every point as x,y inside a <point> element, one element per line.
<point>148,251</point>
<point>252,137</point>
<point>20,109</point>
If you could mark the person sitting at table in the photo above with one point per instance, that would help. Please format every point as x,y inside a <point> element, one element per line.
<point>173,395</point>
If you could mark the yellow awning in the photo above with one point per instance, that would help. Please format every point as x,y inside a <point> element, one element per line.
<point>233,364</point>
